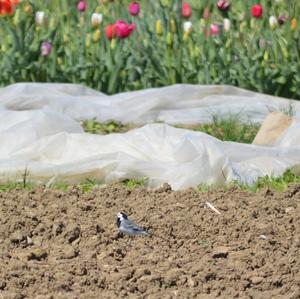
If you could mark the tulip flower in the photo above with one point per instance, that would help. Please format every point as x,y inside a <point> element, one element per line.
<point>40,18</point>
<point>169,40</point>
<point>113,44</point>
<point>46,49</point>
<point>158,27</point>
<point>97,35</point>
<point>214,29</point>
<point>82,6</point>
<point>110,31</point>
<point>281,19</point>
<point>294,24</point>
<point>186,10</point>
<point>7,7</point>
<point>223,5</point>
<point>226,25</point>
<point>273,22</point>
<point>257,11</point>
<point>173,26</point>
<point>123,29</point>
<point>96,19</point>
<point>206,13</point>
<point>134,8</point>
<point>202,24</point>
<point>88,40</point>
<point>187,27</point>
<point>27,8</point>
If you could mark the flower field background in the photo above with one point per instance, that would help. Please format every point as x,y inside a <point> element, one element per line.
<point>116,46</point>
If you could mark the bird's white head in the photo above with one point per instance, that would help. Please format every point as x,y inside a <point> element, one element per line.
<point>122,216</point>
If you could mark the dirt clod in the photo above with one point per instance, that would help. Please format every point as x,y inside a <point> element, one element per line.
<point>17,236</point>
<point>56,244</point>
<point>220,252</point>
<point>256,279</point>
<point>68,252</point>
<point>37,254</point>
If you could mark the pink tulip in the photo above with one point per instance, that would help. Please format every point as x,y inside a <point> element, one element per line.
<point>134,8</point>
<point>81,6</point>
<point>214,29</point>
<point>123,29</point>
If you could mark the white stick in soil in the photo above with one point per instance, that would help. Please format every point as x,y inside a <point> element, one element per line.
<point>209,205</point>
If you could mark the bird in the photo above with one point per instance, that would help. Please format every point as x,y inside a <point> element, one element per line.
<point>128,227</point>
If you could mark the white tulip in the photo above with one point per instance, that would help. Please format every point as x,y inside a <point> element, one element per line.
<point>226,25</point>
<point>40,18</point>
<point>96,19</point>
<point>187,27</point>
<point>273,22</point>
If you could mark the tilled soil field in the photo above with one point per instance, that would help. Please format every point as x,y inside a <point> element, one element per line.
<point>56,244</point>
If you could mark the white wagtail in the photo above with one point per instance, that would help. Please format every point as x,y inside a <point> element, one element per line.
<point>128,227</point>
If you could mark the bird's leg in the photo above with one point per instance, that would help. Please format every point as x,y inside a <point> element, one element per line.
<point>129,240</point>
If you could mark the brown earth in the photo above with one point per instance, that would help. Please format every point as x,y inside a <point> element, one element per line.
<point>56,244</point>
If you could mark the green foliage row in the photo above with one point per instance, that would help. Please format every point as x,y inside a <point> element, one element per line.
<point>278,184</point>
<point>225,129</point>
<point>251,55</point>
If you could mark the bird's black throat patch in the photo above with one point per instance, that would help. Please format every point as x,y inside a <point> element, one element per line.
<point>118,222</point>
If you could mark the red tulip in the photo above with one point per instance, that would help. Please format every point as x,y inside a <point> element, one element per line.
<point>257,11</point>
<point>134,8</point>
<point>186,10</point>
<point>110,31</point>
<point>7,7</point>
<point>123,29</point>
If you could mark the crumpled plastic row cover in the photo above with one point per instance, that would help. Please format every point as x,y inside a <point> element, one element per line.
<point>40,133</point>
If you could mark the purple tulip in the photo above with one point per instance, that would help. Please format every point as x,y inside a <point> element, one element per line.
<point>46,49</point>
<point>223,5</point>
<point>281,19</point>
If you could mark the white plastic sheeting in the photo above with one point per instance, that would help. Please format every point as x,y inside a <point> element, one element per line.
<point>40,132</point>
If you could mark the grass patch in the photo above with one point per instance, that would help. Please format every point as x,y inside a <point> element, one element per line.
<point>94,127</point>
<point>133,183</point>
<point>229,128</point>
<point>275,183</point>
<point>225,129</point>
<point>278,184</point>
<point>13,186</point>
<point>86,186</point>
